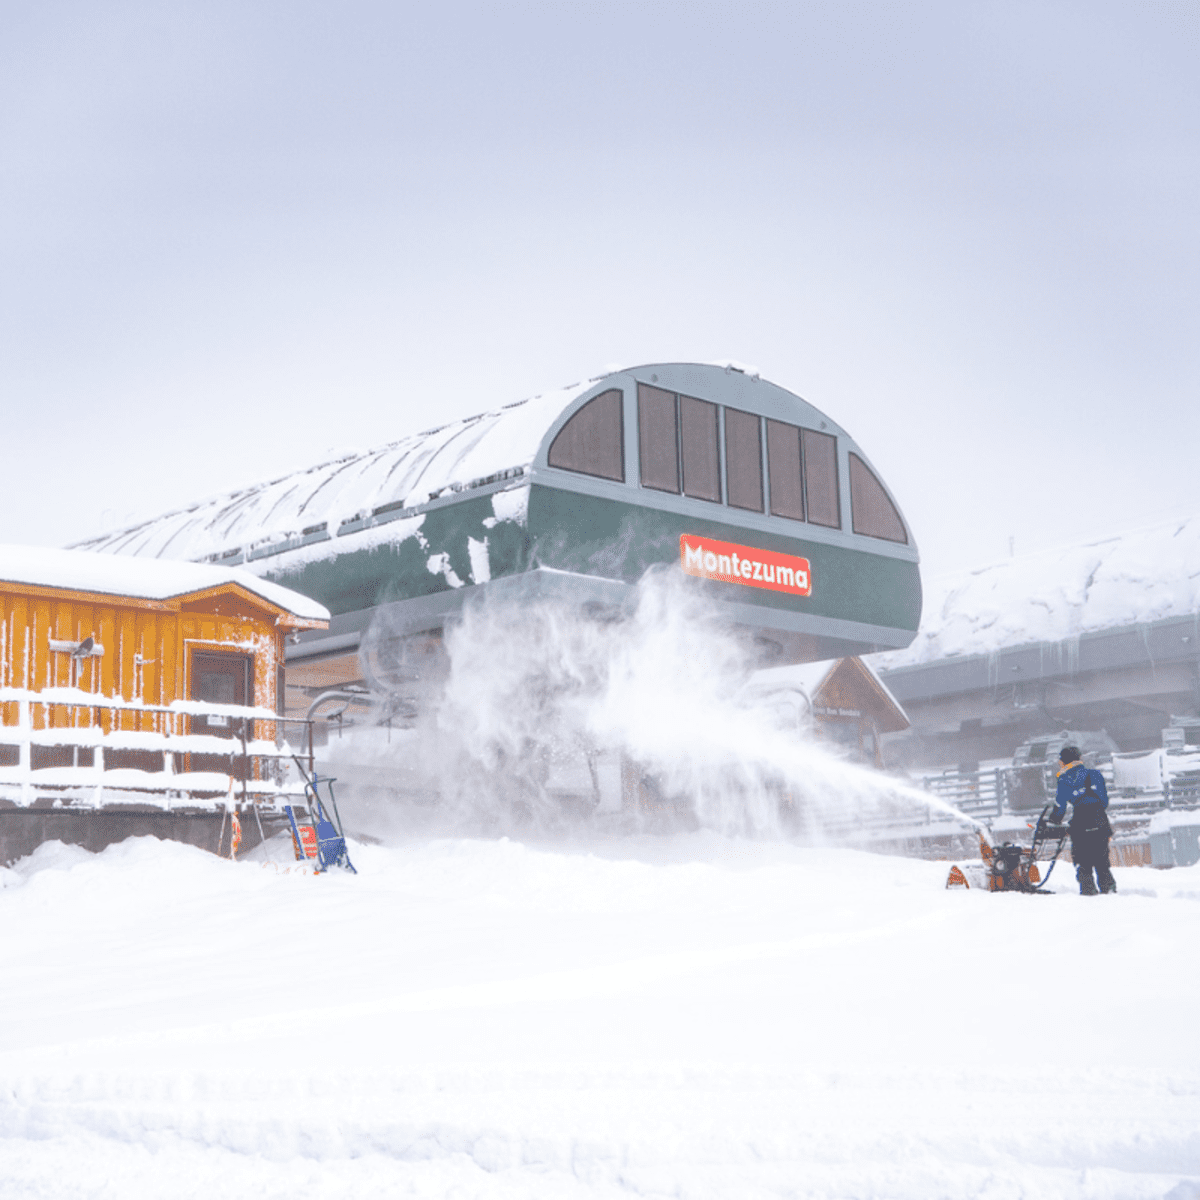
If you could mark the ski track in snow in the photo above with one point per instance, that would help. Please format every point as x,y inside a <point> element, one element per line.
<point>688,1016</point>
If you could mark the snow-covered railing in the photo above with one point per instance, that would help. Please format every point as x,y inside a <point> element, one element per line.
<point>1170,782</point>
<point>978,793</point>
<point>67,747</point>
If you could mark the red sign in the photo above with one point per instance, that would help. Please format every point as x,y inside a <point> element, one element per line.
<point>308,843</point>
<point>731,563</point>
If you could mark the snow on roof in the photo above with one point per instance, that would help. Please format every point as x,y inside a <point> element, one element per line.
<point>1130,579</point>
<point>147,579</point>
<point>402,475</point>
<point>808,677</point>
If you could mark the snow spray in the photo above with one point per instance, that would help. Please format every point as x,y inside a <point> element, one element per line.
<point>547,718</point>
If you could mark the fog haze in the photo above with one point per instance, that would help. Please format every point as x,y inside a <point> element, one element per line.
<point>237,237</point>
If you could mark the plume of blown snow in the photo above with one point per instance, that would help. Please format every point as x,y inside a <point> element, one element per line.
<point>533,688</point>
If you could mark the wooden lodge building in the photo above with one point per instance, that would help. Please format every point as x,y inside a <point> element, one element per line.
<point>842,701</point>
<point>139,696</point>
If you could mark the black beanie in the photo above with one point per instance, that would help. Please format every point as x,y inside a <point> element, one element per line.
<point>1069,754</point>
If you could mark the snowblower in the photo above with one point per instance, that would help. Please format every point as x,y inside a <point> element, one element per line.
<point>319,837</point>
<point>1009,867</point>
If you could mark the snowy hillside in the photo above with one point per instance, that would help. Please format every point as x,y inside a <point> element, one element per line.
<point>689,1017</point>
<point>1138,577</point>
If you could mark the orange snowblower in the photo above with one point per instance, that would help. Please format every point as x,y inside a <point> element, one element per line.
<point>1009,867</point>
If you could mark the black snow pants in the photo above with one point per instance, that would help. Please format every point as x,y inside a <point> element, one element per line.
<point>1089,849</point>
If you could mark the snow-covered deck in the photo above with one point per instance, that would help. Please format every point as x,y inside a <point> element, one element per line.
<point>195,770</point>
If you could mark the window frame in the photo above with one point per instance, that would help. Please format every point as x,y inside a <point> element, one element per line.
<point>771,473</point>
<point>837,523</point>
<point>680,397</point>
<point>643,441</point>
<point>761,507</point>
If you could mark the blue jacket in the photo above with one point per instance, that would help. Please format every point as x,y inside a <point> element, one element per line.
<point>1079,785</point>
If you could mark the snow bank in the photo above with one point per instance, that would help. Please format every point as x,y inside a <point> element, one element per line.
<point>691,1016</point>
<point>1136,578</point>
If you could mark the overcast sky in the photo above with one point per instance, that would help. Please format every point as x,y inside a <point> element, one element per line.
<point>234,236</point>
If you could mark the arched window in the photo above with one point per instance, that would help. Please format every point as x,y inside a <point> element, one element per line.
<point>592,441</point>
<point>872,512</point>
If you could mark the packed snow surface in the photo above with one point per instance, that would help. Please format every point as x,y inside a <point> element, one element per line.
<point>1135,578</point>
<point>148,579</point>
<point>688,1016</point>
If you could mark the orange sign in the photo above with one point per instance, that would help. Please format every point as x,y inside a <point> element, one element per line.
<point>731,563</point>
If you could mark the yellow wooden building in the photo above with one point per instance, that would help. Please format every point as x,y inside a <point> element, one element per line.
<point>138,686</point>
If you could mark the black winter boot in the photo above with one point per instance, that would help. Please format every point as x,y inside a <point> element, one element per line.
<point>1107,882</point>
<point>1087,885</point>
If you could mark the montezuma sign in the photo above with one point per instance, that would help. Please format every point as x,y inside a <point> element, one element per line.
<point>731,563</point>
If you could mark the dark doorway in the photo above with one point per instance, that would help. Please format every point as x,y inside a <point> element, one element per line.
<point>221,679</point>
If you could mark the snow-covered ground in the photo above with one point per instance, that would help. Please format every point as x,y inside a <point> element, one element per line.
<point>688,1015</point>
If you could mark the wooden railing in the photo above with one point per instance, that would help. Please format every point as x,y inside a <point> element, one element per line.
<point>74,748</point>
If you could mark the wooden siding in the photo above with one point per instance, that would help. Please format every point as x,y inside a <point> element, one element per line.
<point>148,646</point>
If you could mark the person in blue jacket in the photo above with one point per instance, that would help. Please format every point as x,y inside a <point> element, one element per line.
<point>1083,788</point>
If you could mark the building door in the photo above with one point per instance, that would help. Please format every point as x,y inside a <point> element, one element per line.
<point>221,678</point>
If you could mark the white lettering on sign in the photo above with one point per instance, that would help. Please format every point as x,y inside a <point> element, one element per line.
<point>745,565</point>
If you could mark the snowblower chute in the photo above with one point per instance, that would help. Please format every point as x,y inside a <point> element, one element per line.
<point>1009,867</point>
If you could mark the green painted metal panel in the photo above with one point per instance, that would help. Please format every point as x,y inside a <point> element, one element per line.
<point>364,578</point>
<point>593,536</point>
<point>588,535</point>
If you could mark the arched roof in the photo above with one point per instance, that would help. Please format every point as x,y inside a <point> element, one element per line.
<point>376,497</point>
<point>404,474</point>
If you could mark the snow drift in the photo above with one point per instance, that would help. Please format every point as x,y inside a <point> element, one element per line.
<point>693,1016</point>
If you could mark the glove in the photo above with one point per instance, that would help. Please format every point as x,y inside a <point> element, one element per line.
<point>1053,821</point>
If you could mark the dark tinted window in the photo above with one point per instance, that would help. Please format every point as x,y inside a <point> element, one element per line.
<point>591,442</point>
<point>871,510</point>
<point>698,429</point>
<point>783,468</point>
<point>657,439</point>
<point>821,478</point>
<point>743,460</point>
